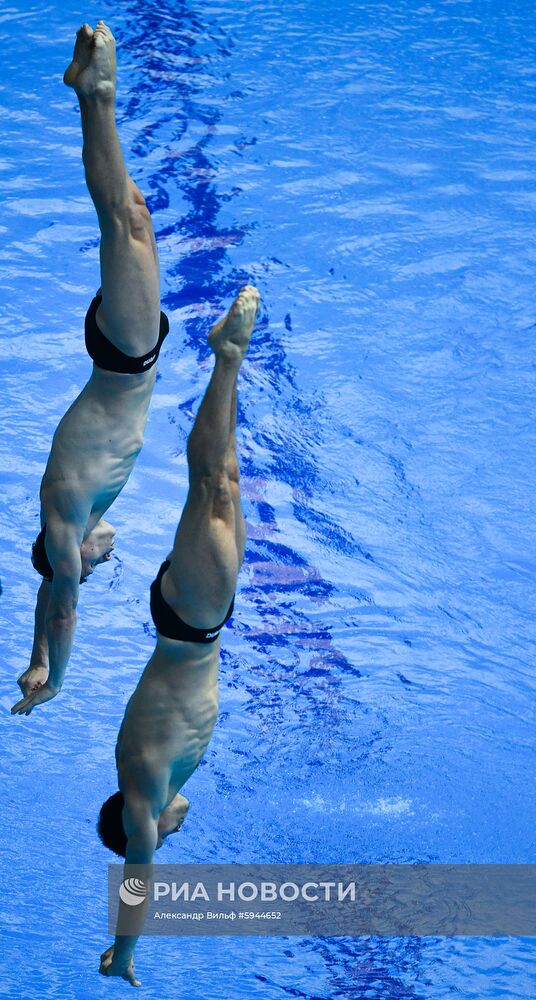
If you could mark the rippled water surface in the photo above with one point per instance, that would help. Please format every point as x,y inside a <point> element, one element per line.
<point>371,167</point>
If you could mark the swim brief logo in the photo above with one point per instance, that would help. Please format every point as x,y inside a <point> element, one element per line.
<point>210,635</point>
<point>133,891</point>
<point>148,362</point>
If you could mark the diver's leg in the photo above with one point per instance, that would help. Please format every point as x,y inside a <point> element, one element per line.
<point>130,276</point>
<point>205,560</point>
<point>233,471</point>
<point>209,543</point>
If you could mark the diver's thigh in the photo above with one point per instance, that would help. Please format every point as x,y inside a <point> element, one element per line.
<point>129,314</point>
<point>205,563</point>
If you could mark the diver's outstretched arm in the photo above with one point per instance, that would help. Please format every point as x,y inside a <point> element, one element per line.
<point>37,672</point>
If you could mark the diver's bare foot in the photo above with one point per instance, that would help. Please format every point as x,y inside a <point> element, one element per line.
<point>230,337</point>
<point>92,72</point>
<point>81,55</point>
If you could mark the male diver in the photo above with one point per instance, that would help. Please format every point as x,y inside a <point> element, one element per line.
<point>169,719</point>
<point>99,438</point>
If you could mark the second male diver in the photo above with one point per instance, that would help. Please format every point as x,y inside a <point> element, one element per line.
<point>169,719</point>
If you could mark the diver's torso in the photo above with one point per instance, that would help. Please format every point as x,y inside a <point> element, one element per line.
<point>96,444</point>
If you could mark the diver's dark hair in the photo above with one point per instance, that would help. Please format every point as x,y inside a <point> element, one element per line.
<point>39,557</point>
<point>110,825</point>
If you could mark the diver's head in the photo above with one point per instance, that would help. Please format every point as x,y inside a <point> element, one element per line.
<point>110,824</point>
<point>96,548</point>
<point>39,557</point>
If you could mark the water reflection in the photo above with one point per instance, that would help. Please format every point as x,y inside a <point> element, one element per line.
<point>370,166</point>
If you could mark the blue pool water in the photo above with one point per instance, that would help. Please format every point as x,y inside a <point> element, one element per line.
<point>371,167</point>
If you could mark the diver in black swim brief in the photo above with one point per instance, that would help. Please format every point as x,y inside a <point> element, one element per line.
<point>99,438</point>
<point>169,719</point>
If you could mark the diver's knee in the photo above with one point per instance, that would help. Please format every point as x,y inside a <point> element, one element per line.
<point>136,193</point>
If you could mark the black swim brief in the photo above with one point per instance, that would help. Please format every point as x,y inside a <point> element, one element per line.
<point>170,625</point>
<point>107,356</point>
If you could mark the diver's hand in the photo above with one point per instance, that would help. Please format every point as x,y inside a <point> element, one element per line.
<point>43,693</point>
<point>109,968</point>
<point>33,678</point>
